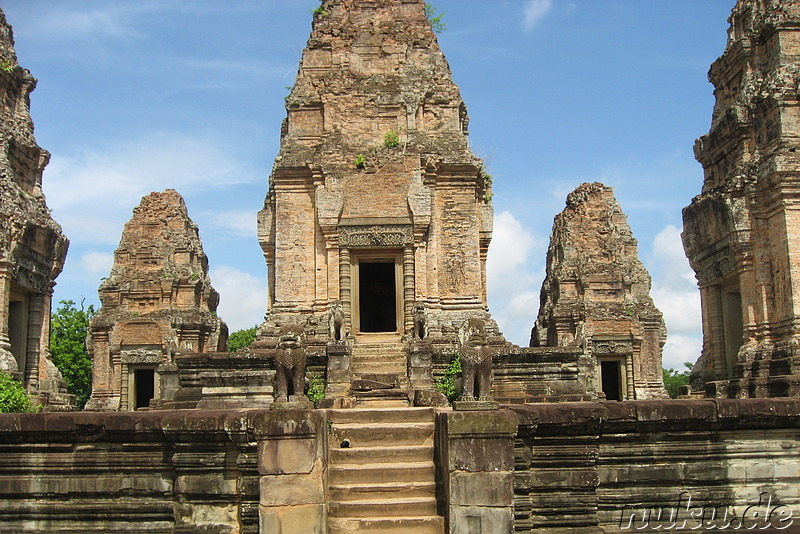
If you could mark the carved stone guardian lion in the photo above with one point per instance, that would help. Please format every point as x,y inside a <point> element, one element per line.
<point>290,363</point>
<point>476,361</point>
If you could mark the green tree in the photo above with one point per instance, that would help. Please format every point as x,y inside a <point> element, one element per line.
<point>436,18</point>
<point>242,338</point>
<point>673,380</point>
<point>13,397</point>
<point>68,327</point>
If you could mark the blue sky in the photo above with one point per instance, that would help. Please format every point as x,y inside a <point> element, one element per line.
<point>135,97</point>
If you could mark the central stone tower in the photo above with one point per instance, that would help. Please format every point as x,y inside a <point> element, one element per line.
<point>377,210</point>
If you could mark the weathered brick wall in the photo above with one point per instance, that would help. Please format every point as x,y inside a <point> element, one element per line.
<point>612,467</point>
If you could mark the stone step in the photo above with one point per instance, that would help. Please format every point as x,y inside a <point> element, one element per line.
<point>385,368</point>
<point>382,402</point>
<point>387,525</point>
<point>384,491</point>
<point>378,434</point>
<point>378,507</point>
<point>412,415</point>
<point>365,455</point>
<point>381,473</point>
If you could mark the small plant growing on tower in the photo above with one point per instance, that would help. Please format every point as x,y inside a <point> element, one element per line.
<point>435,18</point>
<point>8,66</point>
<point>391,139</point>
<point>360,162</point>
<point>316,389</point>
<point>447,384</point>
<point>320,11</point>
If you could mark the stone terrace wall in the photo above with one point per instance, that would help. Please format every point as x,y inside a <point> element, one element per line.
<point>183,471</point>
<point>602,467</point>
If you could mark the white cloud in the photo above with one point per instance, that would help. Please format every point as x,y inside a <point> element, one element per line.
<point>92,193</point>
<point>535,11</point>
<point>242,297</point>
<point>675,293</point>
<point>681,349</point>
<point>513,278</point>
<point>97,263</point>
<point>111,23</point>
<point>236,222</point>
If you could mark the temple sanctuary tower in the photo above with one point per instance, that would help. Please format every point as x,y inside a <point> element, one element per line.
<point>376,205</point>
<point>742,233</point>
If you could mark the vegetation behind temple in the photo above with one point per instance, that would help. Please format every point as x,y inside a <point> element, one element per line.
<point>68,329</point>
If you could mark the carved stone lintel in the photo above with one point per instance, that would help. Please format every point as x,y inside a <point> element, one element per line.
<point>388,235</point>
<point>612,347</point>
<point>135,356</point>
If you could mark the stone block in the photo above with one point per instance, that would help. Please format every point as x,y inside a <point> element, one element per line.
<point>285,456</point>
<point>481,454</point>
<point>290,490</point>
<point>205,485</point>
<point>502,422</point>
<point>480,520</point>
<point>303,519</point>
<point>482,489</point>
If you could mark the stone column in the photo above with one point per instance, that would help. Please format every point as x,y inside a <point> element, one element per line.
<point>408,288</point>
<point>475,452</point>
<point>345,293</point>
<point>291,462</point>
<point>7,361</point>
<point>630,392</point>
<point>35,307</point>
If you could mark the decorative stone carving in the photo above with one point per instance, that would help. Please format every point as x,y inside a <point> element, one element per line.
<point>375,236</point>
<point>337,322</point>
<point>290,364</point>
<point>420,321</point>
<point>476,361</point>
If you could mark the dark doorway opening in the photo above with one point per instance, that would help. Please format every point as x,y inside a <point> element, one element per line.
<point>612,385</point>
<point>145,386</point>
<point>377,299</point>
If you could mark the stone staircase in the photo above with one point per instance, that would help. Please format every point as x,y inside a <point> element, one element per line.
<point>382,359</point>
<point>381,475</point>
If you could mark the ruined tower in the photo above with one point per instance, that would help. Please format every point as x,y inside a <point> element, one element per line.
<point>596,294</point>
<point>32,247</point>
<point>740,233</point>
<point>157,302</point>
<point>375,200</point>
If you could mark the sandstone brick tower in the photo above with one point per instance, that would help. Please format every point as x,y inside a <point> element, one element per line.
<point>32,246</point>
<point>157,301</point>
<point>375,200</point>
<point>597,295</point>
<point>741,232</point>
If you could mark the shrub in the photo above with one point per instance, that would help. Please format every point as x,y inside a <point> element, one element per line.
<point>13,397</point>
<point>391,139</point>
<point>242,338</point>
<point>447,384</point>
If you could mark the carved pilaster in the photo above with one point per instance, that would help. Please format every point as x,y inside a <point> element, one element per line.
<point>7,360</point>
<point>35,306</point>
<point>345,292</point>
<point>408,288</point>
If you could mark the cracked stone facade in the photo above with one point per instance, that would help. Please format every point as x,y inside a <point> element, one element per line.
<point>375,167</point>
<point>156,302</point>
<point>32,246</point>
<point>742,233</point>
<point>596,295</point>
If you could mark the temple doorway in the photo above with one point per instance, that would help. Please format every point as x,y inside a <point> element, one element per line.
<point>144,387</point>
<point>376,304</point>
<point>611,378</point>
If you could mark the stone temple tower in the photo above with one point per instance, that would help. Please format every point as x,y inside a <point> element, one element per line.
<point>597,295</point>
<point>376,203</point>
<point>156,302</point>
<point>742,233</point>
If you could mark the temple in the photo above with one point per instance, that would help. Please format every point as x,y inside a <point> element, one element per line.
<point>739,233</point>
<point>32,246</point>
<point>157,302</point>
<point>376,203</point>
